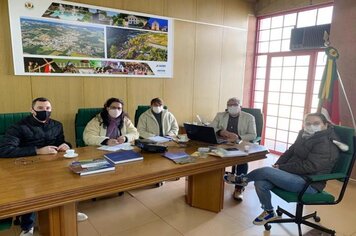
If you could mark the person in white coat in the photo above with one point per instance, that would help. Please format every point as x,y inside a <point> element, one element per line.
<point>157,121</point>
<point>235,125</point>
<point>111,126</point>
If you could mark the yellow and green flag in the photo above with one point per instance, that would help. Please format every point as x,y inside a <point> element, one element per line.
<point>329,89</point>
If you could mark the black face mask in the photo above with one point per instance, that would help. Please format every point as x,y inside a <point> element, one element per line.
<point>42,115</point>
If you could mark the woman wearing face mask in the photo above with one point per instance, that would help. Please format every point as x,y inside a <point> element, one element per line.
<point>314,152</point>
<point>157,121</point>
<point>111,126</point>
<point>235,125</point>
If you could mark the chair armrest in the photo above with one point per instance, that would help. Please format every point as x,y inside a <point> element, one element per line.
<point>316,178</point>
<point>256,140</point>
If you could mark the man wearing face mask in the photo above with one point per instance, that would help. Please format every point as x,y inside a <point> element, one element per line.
<point>34,135</point>
<point>235,125</point>
<point>157,121</point>
<point>111,126</point>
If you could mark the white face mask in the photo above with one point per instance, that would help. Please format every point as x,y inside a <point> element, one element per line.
<point>158,109</point>
<point>233,110</point>
<point>115,113</point>
<point>312,129</point>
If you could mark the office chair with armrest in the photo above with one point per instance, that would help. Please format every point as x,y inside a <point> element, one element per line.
<point>341,172</point>
<point>256,112</point>
<point>83,116</point>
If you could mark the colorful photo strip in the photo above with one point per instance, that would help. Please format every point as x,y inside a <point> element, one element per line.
<point>136,45</point>
<point>66,66</point>
<point>91,15</point>
<point>61,38</point>
<point>58,39</point>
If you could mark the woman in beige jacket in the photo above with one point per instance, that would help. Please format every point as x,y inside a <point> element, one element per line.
<point>111,126</point>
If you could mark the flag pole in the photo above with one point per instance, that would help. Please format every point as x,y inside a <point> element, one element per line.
<point>327,44</point>
<point>347,100</point>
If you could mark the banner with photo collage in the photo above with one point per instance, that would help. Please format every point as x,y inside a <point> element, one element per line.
<point>60,38</point>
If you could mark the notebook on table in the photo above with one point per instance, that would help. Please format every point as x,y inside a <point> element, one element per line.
<point>123,156</point>
<point>202,133</point>
<point>92,166</point>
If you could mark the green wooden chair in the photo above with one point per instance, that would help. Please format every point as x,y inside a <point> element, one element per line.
<point>341,172</point>
<point>83,116</point>
<point>7,119</point>
<point>256,112</point>
<point>5,224</point>
<point>141,109</point>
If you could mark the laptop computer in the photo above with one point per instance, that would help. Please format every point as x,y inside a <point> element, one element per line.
<point>202,133</point>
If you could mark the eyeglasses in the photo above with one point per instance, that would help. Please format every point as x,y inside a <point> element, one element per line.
<point>112,108</point>
<point>312,123</point>
<point>233,105</point>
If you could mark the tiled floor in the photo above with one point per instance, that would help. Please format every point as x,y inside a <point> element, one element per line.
<point>162,211</point>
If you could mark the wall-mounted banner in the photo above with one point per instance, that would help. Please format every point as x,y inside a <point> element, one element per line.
<point>61,38</point>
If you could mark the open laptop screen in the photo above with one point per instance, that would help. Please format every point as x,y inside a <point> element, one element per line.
<point>202,133</point>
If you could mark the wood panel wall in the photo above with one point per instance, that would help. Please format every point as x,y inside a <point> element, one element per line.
<point>210,39</point>
<point>343,37</point>
<point>274,6</point>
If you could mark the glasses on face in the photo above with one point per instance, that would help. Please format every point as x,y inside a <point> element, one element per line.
<point>113,108</point>
<point>307,123</point>
<point>233,105</point>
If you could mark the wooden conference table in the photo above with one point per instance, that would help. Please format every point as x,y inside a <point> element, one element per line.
<point>44,183</point>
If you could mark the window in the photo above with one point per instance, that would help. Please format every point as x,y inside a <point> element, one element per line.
<point>286,83</point>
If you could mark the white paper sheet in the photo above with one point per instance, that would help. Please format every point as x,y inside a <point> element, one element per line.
<point>123,146</point>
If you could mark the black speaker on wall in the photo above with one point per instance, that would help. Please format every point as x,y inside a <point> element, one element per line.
<point>309,37</point>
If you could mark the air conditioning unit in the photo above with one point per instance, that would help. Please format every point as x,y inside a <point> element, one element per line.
<point>308,37</point>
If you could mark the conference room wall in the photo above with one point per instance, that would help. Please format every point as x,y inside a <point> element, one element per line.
<point>273,6</point>
<point>209,58</point>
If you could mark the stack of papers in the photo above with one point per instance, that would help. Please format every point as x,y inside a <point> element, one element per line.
<point>160,139</point>
<point>235,152</point>
<point>179,157</point>
<point>229,152</point>
<point>91,166</point>
<point>123,146</point>
<point>254,148</point>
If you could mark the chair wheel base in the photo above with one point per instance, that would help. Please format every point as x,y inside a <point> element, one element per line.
<point>159,184</point>
<point>17,221</point>
<point>279,213</point>
<point>316,218</point>
<point>267,227</point>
